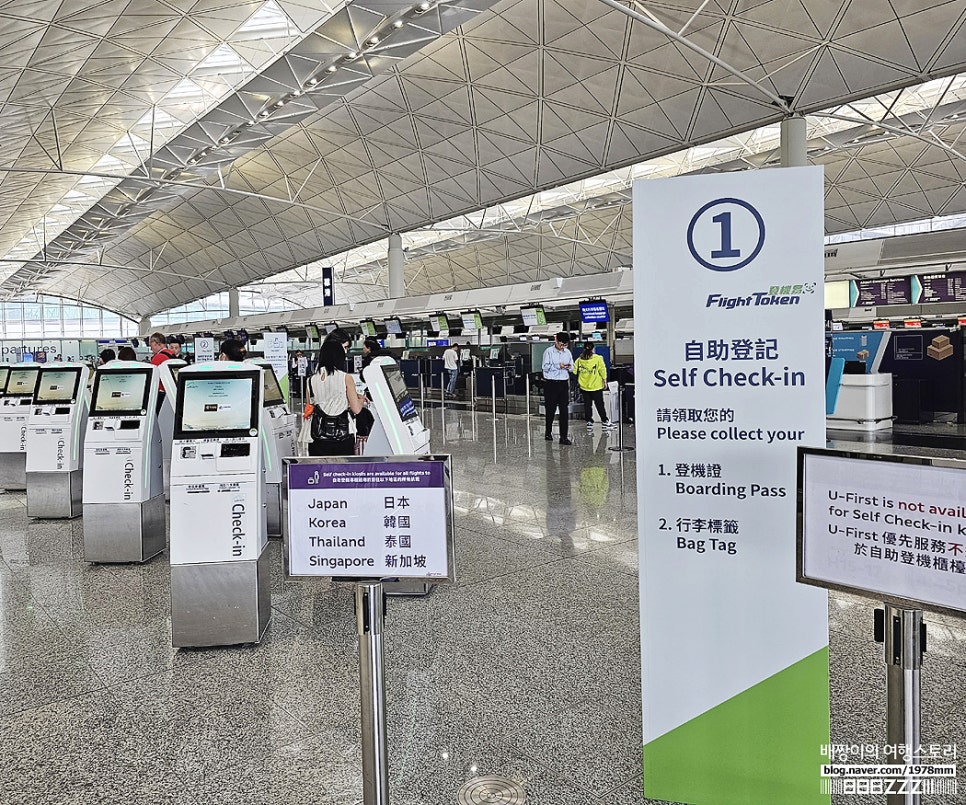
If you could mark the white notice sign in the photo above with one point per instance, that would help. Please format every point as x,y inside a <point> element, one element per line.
<point>729,327</point>
<point>204,350</point>
<point>275,349</point>
<point>370,519</point>
<point>886,527</point>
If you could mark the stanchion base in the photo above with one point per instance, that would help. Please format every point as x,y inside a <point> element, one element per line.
<point>620,449</point>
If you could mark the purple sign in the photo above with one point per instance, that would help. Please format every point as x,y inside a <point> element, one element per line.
<point>892,291</point>
<point>374,475</point>
<point>949,287</point>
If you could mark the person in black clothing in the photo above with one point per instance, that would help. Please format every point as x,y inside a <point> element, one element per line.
<point>107,356</point>
<point>231,350</point>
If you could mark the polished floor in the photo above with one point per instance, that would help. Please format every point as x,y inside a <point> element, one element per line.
<point>527,668</point>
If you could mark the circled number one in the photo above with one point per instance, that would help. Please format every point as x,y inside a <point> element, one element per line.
<point>723,219</point>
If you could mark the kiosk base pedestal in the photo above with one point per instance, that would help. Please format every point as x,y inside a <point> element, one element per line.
<point>220,603</point>
<point>55,495</point>
<point>124,532</point>
<point>273,498</point>
<point>13,471</point>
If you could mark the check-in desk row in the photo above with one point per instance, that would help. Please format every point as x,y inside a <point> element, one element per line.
<point>227,429</point>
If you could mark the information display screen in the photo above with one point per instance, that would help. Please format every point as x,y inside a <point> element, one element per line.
<point>330,327</point>
<point>368,327</point>
<point>216,405</point>
<point>4,374</point>
<point>593,312</point>
<point>472,320</point>
<point>313,332</point>
<point>22,382</point>
<point>57,385</point>
<point>948,287</point>
<point>118,393</point>
<point>534,316</point>
<point>272,390</point>
<point>400,394</point>
<point>439,323</point>
<point>888,291</point>
<point>393,326</point>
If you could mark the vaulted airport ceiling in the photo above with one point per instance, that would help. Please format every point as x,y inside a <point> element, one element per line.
<point>339,124</point>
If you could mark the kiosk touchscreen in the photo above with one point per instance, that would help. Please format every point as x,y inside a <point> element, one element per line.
<point>398,429</point>
<point>219,562</point>
<point>168,373</point>
<point>18,393</point>
<point>124,514</point>
<point>55,431</point>
<point>281,431</point>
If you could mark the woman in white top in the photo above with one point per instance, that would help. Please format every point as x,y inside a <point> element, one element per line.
<point>333,395</point>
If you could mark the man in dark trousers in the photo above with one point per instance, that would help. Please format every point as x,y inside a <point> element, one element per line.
<point>557,366</point>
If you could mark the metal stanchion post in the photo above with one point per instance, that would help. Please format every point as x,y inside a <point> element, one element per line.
<point>422,396</point>
<point>442,388</point>
<point>620,423</point>
<point>493,397</point>
<point>904,635</point>
<point>370,619</point>
<point>527,384</point>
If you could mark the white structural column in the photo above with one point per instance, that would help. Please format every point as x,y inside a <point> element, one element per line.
<point>397,267</point>
<point>234,307</point>
<point>793,150</point>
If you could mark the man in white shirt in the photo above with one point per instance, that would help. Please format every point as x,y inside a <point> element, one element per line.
<point>558,363</point>
<point>451,363</point>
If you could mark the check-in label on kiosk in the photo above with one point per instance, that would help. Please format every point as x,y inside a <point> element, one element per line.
<point>371,518</point>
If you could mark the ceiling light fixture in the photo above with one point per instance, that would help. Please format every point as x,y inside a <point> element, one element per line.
<point>397,24</point>
<point>373,40</point>
<point>422,8</point>
<point>331,68</point>
<point>312,82</point>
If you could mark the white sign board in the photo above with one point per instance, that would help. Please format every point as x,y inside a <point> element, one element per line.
<point>729,374</point>
<point>204,350</point>
<point>369,518</point>
<point>885,526</point>
<point>275,349</point>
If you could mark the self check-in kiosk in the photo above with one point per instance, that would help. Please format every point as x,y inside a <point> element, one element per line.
<point>219,562</point>
<point>124,513</point>
<point>398,429</point>
<point>279,442</point>
<point>55,430</point>
<point>18,396</point>
<point>168,373</point>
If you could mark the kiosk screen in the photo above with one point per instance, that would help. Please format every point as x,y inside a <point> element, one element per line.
<point>4,374</point>
<point>22,382</point>
<point>400,394</point>
<point>217,405</point>
<point>118,393</point>
<point>57,386</point>
<point>273,391</point>
<point>534,316</point>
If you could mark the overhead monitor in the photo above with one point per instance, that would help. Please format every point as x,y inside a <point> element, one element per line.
<point>313,332</point>
<point>439,323</point>
<point>534,316</point>
<point>400,394</point>
<point>594,311</point>
<point>368,327</point>
<point>4,374</point>
<point>22,382</point>
<point>57,386</point>
<point>222,404</point>
<point>120,392</point>
<point>273,391</point>
<point>393,326</point>
<point>330,327</point>
<point>472,320</point>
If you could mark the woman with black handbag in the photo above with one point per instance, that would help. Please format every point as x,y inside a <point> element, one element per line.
<point>333,395</point>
